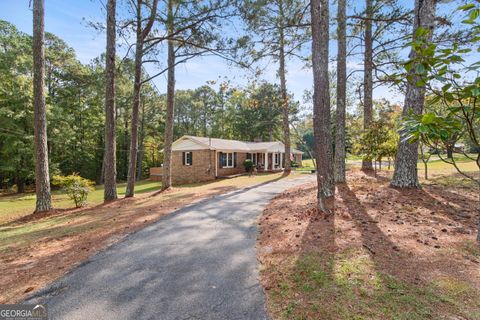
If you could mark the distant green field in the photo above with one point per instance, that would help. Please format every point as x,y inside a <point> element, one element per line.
<point>435,164</point>
<point>307,164</point>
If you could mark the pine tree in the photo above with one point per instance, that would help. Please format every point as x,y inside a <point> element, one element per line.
<point>405,174</point>
<point>339,165</point>
<point>42,178</point>
<point>321,103</point>
<point>142,33</point>
<point>110,159</point>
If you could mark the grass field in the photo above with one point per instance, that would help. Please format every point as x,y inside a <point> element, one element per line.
<point>435,164</point>
<point>15,206</point>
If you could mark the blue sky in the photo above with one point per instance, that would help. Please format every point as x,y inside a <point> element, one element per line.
<point>67,19</point>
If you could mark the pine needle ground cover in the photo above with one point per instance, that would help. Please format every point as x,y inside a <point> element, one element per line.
<point>385,254</point>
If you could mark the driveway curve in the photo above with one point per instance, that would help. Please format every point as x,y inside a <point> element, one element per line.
<point>196,263</point>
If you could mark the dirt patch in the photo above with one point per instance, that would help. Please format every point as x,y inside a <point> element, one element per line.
<point>37,249</point>
<point>385,254</point>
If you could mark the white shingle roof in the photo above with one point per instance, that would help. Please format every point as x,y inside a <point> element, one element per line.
<point>235,145</point>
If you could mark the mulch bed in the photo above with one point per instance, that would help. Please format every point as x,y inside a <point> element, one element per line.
<point>417,235</point>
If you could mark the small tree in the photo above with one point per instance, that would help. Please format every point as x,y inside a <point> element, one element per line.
<point>425,157</point>
<point>373,142</point>
<point>249,166</point>
<point>76,187</point>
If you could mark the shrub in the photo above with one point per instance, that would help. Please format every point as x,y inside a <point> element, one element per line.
<point>248,164</point>
<point>294,164</point>
<point>76,187</point>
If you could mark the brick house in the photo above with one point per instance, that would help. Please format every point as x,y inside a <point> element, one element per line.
<point>198,159</point>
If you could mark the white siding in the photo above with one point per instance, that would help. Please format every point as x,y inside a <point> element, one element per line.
<point>187,144</point>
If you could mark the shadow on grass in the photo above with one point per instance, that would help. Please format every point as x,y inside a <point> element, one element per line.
<point>374,278</point>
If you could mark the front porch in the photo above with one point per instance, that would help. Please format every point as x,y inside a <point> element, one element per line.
<point>268,161</point>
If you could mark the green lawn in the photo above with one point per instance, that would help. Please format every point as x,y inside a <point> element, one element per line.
<point>307,165</point>
<point>348,286</point>
<point>435,163</point>
<point>15,206</point>
<point>18,205</point>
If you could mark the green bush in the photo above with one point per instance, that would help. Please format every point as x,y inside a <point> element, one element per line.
<point>76,187</point>
<point>248,164</point>
<point>294,164</point>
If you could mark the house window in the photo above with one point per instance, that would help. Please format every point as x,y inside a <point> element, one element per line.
<point>187,158</point>
<point>227,160</point>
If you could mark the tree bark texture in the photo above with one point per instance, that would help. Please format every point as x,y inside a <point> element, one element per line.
<point>141,150</point>
<point>132,159</point>
<point>137,86</point>
<point>42,178</point>
<point>321,103</point>
<point>405,174</point>
<point>168,140</point>
<point>283,89</point>
<point>368,76</point>
<point>339,158</point>
<point>110,158</point>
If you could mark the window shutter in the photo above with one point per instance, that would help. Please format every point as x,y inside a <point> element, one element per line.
<point>183,158</point>
<point>191,158</point>
<point>220,158</point>
<point>234,159</point>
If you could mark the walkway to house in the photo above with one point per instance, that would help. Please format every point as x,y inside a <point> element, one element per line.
<point>197,263</point>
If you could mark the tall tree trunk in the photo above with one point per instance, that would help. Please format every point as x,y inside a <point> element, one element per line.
<point>405,174</point>
<point>283,89</point>
<point>132,164</point>
<point>126,145</point>
<point>339,165</point>
<point>478,231</point>
<point>20,184</point>
<point>368,76</point>
<point>141,35</point>
<point>450,152</point>
<point>42,178</point>
<point>141,149</point>
<point>110,157</point>
<point>321,103</point>
<point>168,140</point>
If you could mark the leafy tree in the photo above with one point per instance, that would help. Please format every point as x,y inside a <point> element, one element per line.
<point>372,140</point>
<point>425,156</point>
<point>446,66</point>
<point>76,187</point>
<point>16,114</point>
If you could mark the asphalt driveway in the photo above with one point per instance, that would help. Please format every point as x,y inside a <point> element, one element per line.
<point>197,263</point>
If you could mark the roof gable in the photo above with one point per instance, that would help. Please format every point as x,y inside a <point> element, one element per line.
<point>204,143</point>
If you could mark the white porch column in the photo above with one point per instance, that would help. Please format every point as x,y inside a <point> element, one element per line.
<point>216,164</point>
<point>281,160</point>
<point>266,161</point>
